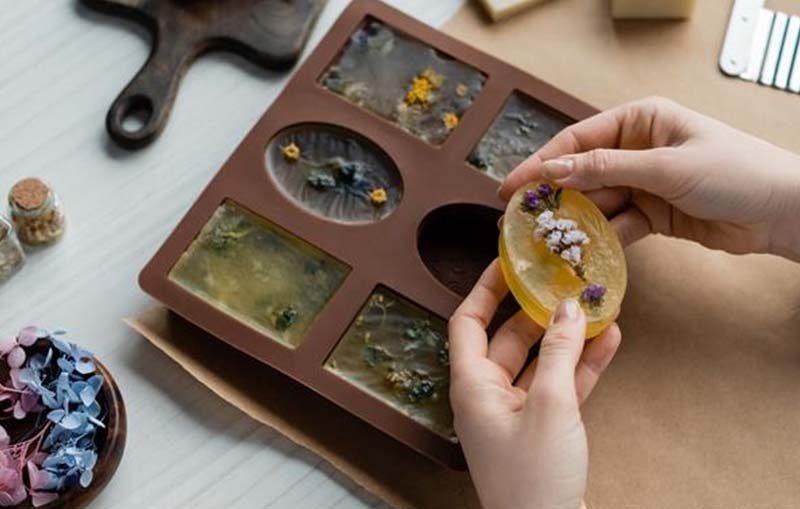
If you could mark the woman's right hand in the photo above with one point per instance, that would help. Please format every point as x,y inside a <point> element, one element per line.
<point>654,166</point>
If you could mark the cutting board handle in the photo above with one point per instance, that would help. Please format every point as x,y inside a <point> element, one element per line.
<point>141,110</point>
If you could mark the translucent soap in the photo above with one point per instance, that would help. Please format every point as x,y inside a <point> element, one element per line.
<point>258,273</point>
<point>555,244</point>
<point>399,353</point>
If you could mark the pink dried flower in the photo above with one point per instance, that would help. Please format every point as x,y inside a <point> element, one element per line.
<point>41,482</point>
<point>12,489</point>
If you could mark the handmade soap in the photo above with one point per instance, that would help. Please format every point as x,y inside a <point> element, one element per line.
<point>335,173</point>
<point>404,81</point>
<point>556,244</point>
<point>501,9</point>
<point>398,352</point>
<point>652,8</point>
<point>258,273</point>
<point>521,128</point>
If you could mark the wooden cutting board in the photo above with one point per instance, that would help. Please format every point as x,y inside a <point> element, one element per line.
<point>269,33</point>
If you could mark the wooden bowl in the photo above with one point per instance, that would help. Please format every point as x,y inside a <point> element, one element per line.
<point>112,446</point>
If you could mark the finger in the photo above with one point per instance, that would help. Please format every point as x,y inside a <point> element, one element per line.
<point>526,378</point>
<point>631,225</point>
<point>601,130</point>
<point>467,327</point>
<point>512,342</point>
<point>655,170</point>
<point>595,359</point>
<point>559,353</point>
<point>611,201</point>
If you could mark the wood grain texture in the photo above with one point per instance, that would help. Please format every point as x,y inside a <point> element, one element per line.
<point>269,33</point>
<point>61,65</point>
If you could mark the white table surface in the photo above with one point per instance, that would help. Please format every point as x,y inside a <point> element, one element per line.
<point>61,66</point>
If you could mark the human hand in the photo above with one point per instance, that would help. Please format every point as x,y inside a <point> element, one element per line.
<point>654,166</point>
<point>520,426</point>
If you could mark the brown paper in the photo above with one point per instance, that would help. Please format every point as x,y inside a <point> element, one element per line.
<point>374,460</point>
<point>701,408</point>
<point>702,405</point>
<point>576,46</point>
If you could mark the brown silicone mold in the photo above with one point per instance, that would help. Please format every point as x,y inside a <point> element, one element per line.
<point>421,254</point>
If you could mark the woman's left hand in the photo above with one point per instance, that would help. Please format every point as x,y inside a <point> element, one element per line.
<point>520,426</point>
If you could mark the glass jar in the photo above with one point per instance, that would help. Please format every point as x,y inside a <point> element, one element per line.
<point>12,258</point>
<point>36,211</point>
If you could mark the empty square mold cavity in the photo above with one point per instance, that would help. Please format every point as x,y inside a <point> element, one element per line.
<point>259,273</point>
<point>407,82</point>
<point>334,173</point>
<point>523,126</point>
<point>398,352</point>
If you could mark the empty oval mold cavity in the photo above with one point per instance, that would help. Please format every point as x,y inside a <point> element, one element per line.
<point>334,173</point>
<point>457,242</point>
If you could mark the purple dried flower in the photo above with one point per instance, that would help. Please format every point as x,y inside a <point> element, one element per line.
<point>544,190</point>
<point>532,200</point>
<point>593,293</point>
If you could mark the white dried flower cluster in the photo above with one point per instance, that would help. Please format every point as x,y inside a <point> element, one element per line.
<point>562,236</point>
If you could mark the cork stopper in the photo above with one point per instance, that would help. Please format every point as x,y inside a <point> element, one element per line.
<point>29,194</point>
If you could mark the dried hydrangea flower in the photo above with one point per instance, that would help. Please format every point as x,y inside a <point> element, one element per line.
<point>450,120</point>
<point>378,196</point>
<point>291,152</point>
<point>593,294</point>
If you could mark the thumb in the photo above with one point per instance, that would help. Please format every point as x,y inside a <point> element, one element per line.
<point>652,170</point>
<point>560,352</point>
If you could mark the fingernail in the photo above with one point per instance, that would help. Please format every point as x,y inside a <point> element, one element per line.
<point>557,168</point>
<point>567,311</point>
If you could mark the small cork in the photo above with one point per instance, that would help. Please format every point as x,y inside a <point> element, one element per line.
<point>29,194</point>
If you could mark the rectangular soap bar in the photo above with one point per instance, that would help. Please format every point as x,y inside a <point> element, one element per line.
<point>500,9</point>
<point>652,8</point>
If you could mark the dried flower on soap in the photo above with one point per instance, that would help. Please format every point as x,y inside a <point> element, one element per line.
<point>450,120</point>
<point>562,237</point>
<point>286,318</point>
<point>378,196</point>
<point>416,385</point>
<point>543,198</point>
<point>53,387</point>
<point>291,152</point>
<point>593,294</point>
<point>422,87</point>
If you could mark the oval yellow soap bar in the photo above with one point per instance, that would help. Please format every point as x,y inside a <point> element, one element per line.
<point>555,244</point>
